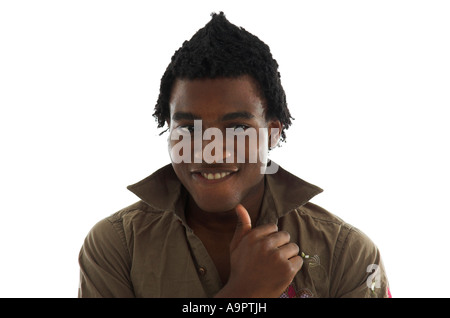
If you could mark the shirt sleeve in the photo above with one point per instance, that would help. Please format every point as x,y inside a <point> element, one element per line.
<point>104,264</point>
<point>359,271</point>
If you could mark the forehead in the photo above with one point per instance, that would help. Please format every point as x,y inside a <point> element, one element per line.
<point>216,97</point>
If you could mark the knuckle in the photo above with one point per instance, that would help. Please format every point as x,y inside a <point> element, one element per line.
<point>264,230</point>
<point>293,271</point>
<point>286,235</point>
<point>295,248</point>
<point>267,246</point>
<point>271,227</point>
<point>296,265</point>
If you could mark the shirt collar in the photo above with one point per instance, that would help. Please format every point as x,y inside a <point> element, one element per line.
<point>284,192</point>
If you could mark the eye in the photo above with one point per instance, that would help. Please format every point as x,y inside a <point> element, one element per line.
<point>186,128</point>
<point>240,127</point>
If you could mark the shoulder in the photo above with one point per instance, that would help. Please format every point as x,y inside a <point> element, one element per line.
<point>347,235</point>
<point>116,220</point>
<point>316,218</point>
<point>114,231</point>
<point>319,214</point>
<point>135,210</point>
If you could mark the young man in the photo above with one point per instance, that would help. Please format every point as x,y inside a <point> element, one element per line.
<point>221,221</point>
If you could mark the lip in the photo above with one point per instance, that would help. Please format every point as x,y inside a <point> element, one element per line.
<point>214,170</point>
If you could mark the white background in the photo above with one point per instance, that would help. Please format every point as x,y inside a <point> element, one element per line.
<point>367,81</point>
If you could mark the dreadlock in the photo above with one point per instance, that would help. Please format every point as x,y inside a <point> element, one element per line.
<point>221,49</point>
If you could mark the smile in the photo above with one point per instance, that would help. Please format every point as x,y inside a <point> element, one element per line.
<point>214,176</point>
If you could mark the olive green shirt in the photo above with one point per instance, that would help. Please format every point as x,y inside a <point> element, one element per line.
<point>148,249</point>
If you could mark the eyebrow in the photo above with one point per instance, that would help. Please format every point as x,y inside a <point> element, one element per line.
<point>184,116</point>
<point>230,116</point>
<point>237,115</point>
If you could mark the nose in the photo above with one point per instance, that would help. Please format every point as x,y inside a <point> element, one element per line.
<point>211,154</point>
<point>211,151</point>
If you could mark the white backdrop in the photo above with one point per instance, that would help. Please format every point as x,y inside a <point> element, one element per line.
<point>367,81</point>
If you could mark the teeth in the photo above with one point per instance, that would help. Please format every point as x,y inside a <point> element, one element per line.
<point>215,176</point>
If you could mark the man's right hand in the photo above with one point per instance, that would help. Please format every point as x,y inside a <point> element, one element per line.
<point>263,262</point>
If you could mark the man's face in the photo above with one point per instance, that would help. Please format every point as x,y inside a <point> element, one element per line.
<point>226,105</point>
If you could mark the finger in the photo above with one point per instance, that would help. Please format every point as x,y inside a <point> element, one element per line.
<point>243,226</point>
<point>244,222</point>
<point>296,263</point>
<point>289,251</point>
<point>265,230</point>
<point>278,239</point>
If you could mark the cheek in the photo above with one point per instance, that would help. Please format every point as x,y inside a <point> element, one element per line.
<point>251,147</point>
<point>184,176</point>
<point>180,170</point>
<point>263,145</point>
<point>180,147</point>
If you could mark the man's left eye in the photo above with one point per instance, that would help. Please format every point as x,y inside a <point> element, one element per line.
<point>239,127</point>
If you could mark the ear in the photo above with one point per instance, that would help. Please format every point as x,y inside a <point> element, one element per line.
<point>275,128</point>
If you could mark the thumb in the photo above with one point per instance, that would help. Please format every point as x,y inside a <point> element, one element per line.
<point>243,226</point>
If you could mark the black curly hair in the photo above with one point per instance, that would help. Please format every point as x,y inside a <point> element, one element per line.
<point>221,49</point>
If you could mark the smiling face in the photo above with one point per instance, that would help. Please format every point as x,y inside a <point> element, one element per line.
<point>220,104</point>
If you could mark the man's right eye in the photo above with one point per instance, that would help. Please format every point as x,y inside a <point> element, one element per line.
<point>186,128</point>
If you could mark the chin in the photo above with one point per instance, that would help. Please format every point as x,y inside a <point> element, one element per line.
<point>216,204</point>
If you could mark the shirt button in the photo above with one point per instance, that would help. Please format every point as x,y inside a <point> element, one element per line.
<point>202,271</point>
